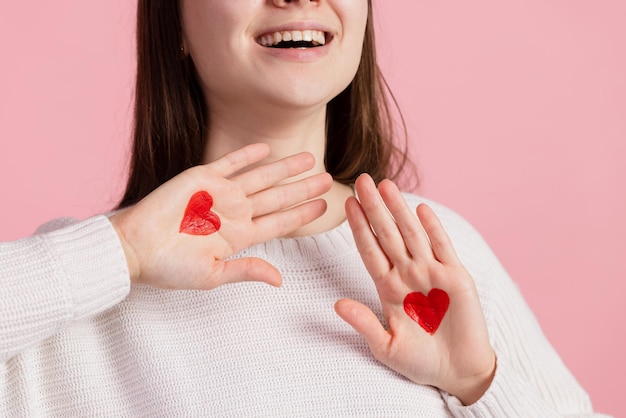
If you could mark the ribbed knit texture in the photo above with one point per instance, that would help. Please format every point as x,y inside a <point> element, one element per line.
<point>71,346</point>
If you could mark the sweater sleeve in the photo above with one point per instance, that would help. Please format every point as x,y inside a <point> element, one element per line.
<point>56,277</point>
<point>531,380</point>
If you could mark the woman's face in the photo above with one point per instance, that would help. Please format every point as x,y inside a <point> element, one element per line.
<point>274,53</point>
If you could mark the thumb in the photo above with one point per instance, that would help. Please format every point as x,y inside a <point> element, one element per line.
<point>365,322</point>
<point>250,269</point>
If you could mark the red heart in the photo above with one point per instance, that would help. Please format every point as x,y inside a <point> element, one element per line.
<point>198,218</point>
<point>428,311</point>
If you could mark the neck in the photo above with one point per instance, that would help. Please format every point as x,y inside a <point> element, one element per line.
<point>287,133</point>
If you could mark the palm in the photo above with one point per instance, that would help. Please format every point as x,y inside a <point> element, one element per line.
<point>201,258</point>
<point>410,344</point>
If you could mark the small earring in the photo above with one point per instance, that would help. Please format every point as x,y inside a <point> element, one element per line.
<point>182,51</point>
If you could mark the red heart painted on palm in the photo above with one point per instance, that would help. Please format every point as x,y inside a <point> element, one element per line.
<point>198,218</point>
<point>427,311</point>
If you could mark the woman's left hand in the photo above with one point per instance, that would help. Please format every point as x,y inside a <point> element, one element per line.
<point>406,254</point>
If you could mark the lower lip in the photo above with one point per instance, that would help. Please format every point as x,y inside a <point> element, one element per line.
<point>298,54</point>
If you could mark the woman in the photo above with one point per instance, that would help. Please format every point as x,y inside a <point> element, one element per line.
<point>285,91</point>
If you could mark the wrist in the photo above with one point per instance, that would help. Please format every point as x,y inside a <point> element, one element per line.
<point>472,389</point>
<point>117,220</point>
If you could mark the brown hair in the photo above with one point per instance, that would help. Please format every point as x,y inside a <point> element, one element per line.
<point>170,114</point>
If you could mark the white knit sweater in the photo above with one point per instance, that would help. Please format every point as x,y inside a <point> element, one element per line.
<point>77,340</point>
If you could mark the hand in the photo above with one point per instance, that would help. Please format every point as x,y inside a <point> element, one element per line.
<point>252,208</point>
<point>415,255</point>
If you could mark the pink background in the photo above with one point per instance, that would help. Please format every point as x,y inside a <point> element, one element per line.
<point>517,117</point>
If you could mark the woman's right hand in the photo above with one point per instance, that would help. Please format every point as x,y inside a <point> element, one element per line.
<point>252,208</point>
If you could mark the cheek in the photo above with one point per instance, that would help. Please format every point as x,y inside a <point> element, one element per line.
<point>354,14</point>
<point>208,28</point>
<point>355,11</point>
<point>355,25</point>
<point>207,23</point>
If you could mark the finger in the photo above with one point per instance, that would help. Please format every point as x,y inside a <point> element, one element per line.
<point>385,228</point>
<point>247,269</point>
<point>363,320</point>
<point>439,239</point>
<point>282,197</point>
<point>374,258</point>
<point>279,224</point>
<point>239,159</point>
<point>262,177</point>
<point>412,231</point>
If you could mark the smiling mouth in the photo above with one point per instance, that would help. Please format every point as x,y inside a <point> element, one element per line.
<point>294,39</point>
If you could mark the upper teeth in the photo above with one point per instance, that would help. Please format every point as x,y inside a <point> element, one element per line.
<point>315,36</point>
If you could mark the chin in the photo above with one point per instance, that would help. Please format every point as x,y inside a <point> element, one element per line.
<point>301,94</point>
